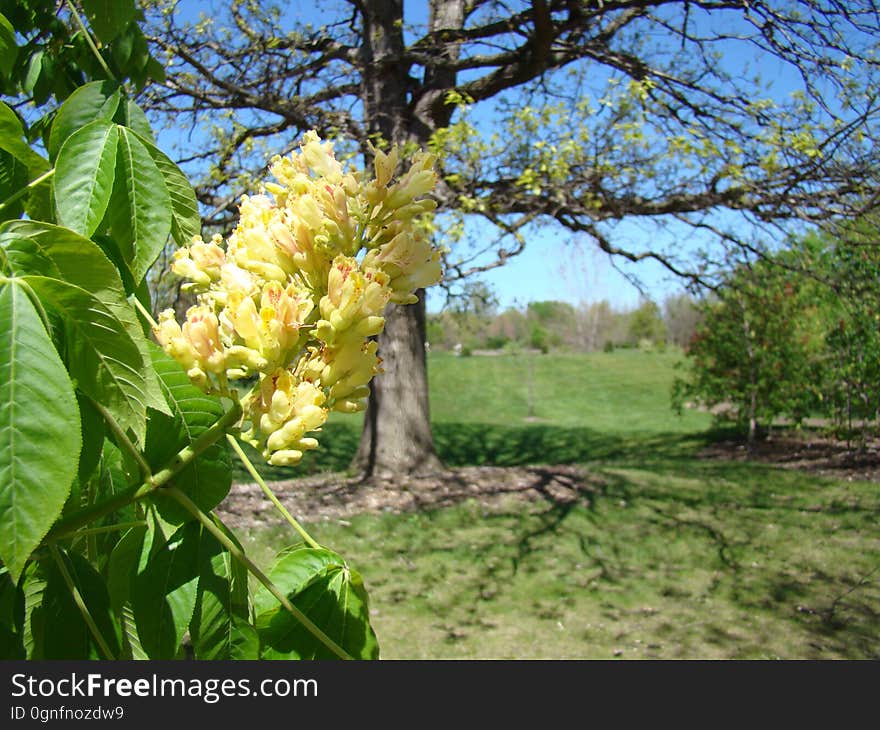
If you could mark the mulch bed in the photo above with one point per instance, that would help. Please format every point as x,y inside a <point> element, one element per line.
<point>815,454</point>
<point>334,496</point>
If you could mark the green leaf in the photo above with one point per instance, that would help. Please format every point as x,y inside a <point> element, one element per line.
<point>66,633</point>
<point>92,424</point>
<point>37,409</point>
<point>108,18</point>
<point>132,116</point>
<point>8,47</point>
<point>220,627</point>
<point>122,567</point>
<point>116,473</point>
<point>123,46</point>
<point>330,594</point>
<point>12,140</point>
<point>45,81</point>
<point>206,481</point>
<point>101,356</point>
<point>139,59</point>
<point>13,177</point>
<point>164,593</point>
<point>33,584</point>
<point>39,204</point>
<point>131,642</point>
<point>186,221</point>
<point>155,70</point>
<point>95,100</point>
<point>84,175</point>
<point>140,209</point>
<point>34,67</point>
<point>42,249</point>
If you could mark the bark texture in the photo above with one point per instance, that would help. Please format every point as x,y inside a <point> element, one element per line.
<point>397,427</point>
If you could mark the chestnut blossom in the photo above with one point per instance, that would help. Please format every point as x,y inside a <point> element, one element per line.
<point>296,292</point>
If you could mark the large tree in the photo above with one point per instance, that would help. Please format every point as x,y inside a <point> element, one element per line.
<point>580,113</point>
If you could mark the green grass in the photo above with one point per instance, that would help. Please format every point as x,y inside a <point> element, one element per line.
<point>662,554</point>
<point>618,392</point>
<point>581,405</point>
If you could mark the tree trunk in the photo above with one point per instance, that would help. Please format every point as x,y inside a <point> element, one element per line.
<point>753,379</point>
<point>397,435</point>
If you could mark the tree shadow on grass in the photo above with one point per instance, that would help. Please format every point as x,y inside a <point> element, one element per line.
<point>466,444</point>
<point>632,534</point>
<point>470,444</point>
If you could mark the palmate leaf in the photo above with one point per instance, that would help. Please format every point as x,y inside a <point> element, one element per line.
<point>40,436</point>
<point>108,18</point>
<point>107,175</point>
<point>45,250</point>
<point>163,593</point>
<point>101,356</point>
<point>220,628</point>
<point>84,175</point>
<point>185,219</point>
<point>330,594</point>
<point>140,210</point>
<point>110,174</point>
<point>132,116</point>
<point>206,481</point>
<point>95,100</point>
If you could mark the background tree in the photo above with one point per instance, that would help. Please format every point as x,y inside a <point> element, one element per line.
<point>681,316</point>
<point>759,349</point>
<point>849,260</point>
<point>561,111</point>
<point>646,323</point>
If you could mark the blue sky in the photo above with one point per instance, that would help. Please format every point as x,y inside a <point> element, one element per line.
<point>554,264</point>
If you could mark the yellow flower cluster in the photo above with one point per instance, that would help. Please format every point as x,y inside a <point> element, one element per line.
<point>295,293</point>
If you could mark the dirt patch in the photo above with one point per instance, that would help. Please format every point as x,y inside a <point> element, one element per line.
<point>814,454</point>
<point>337,496</point>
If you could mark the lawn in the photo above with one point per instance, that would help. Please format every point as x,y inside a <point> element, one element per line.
<point>656,553</point>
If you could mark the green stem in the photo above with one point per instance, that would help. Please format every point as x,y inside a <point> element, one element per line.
<point>80,603</point>
<point>268,492</point>
<point>144,311</point>
<point>123,441</point>
<point>182,459</point>
<point>88,36</point>
<point>110,528</point>
<point>32,184</point>
<point>239,555</point>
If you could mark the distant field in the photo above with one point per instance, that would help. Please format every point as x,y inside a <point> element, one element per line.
<point>661,555</point>
<point>557,407</point>
<point>620,392</point>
